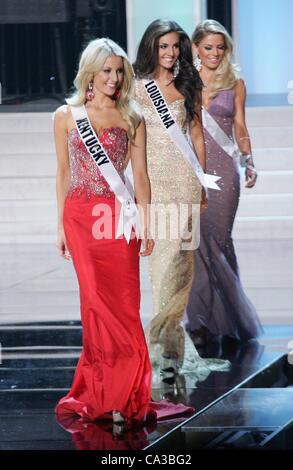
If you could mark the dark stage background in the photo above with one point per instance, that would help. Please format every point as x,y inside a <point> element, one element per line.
<point>40,41</point>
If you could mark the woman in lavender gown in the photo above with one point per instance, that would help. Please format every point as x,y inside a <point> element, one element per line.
<point>217,303</point>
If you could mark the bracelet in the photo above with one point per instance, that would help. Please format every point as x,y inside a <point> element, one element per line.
<point>249,165</point>
<point>245,137</point>
<point>244,159</point>
<point>251,168</point>
<point>247,158</point>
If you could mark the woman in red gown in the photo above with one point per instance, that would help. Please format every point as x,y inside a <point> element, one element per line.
<point>113,375</point>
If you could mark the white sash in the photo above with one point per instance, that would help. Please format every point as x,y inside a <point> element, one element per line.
<point>219,136</point>
<point>129,216</point>
<point>176,134</point>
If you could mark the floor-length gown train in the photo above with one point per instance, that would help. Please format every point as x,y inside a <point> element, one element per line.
<point>176,189</point>
<point>217,301</point>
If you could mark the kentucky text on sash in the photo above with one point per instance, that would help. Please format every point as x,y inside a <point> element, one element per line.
<point>129,216</point>
<point>176,134</point>
<point>91,142</point>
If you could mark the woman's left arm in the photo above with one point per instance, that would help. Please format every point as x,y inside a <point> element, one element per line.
<point>142,187</point>
<point>241,133</point>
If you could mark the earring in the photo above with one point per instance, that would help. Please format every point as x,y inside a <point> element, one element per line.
<point>197,63</point>
<point>117,94</point>
<point>89,93</point>
<point>176,68</point>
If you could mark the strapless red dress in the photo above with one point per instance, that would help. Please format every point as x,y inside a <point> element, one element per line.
<point>114,371</point>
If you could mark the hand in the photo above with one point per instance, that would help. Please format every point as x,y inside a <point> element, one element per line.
<point>250,177</point>
<point>61,245</point>
<point>147,246</point>
<point>203,201</point>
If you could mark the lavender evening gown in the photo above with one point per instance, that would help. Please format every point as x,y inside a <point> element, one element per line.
<point>217,300</point>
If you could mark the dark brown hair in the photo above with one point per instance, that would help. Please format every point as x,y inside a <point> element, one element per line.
<point>188,81</point>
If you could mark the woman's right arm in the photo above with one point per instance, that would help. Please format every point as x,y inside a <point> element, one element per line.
<point>241,133</point>
<point>63,174</point>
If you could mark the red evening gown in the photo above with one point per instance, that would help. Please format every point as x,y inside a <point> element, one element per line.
<point>114,371</point>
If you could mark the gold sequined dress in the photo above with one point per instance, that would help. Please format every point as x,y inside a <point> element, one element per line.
<point>174,186</point>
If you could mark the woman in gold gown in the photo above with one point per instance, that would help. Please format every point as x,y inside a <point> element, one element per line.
<point>164,55</point>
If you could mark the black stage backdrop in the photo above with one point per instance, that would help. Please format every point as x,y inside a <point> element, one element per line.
<point>221,10</point>
<point>41,40</point>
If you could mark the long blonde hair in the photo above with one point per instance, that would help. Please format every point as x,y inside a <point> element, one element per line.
<point>227,73</point>
<point>91,62</point>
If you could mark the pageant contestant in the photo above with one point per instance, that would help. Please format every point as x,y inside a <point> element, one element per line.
<point>98,228</point>
<point>168,89</point>
<point>217,303</point>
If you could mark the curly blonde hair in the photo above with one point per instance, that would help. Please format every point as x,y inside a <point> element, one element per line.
<point>91,62</point>
<point>227,73</point>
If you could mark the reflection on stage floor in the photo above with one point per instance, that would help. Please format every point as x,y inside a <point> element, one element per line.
<point>38,361</point>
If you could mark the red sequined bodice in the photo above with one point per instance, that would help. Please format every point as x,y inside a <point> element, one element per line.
<point>85,175</point>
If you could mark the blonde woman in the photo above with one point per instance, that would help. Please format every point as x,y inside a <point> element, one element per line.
<point>95,134</point>
<point>217,303</point>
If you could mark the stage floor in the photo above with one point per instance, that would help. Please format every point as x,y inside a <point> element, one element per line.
<point>38,362</point>
<point>40,336</point>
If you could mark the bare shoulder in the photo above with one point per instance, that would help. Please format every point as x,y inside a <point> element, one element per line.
<point>240,87</point>
<point>62,116</point>
<point>62,112</point>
